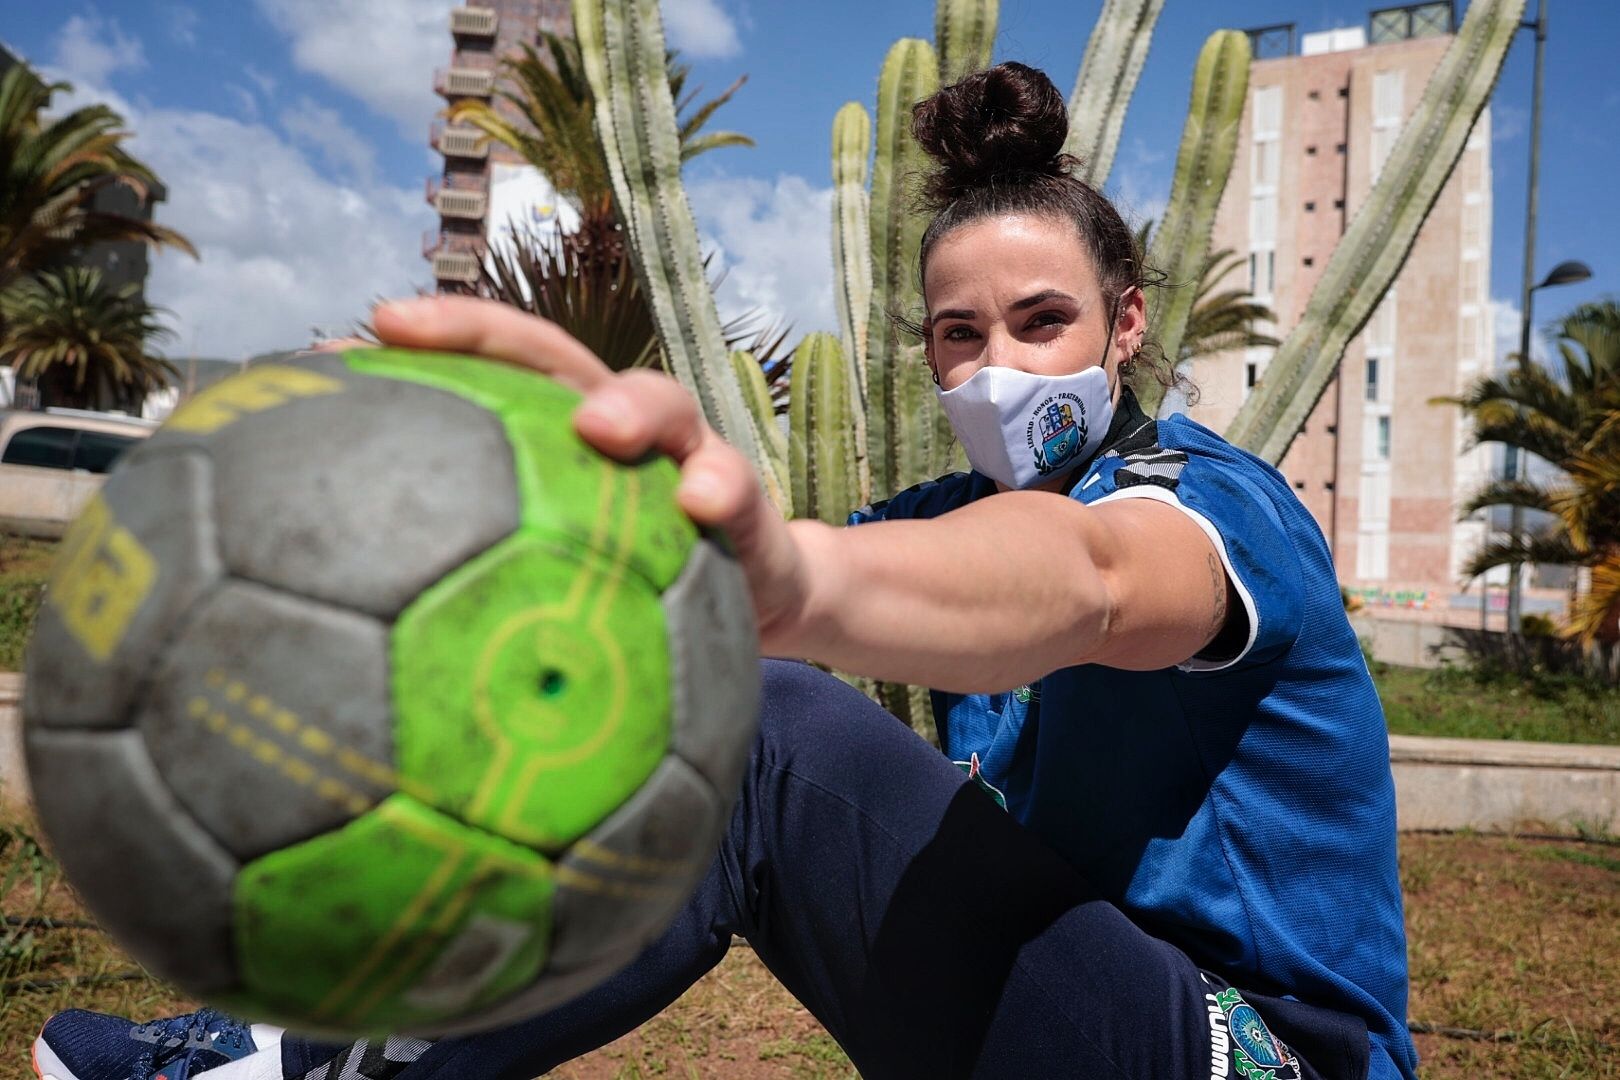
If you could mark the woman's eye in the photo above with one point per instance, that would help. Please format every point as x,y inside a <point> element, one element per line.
<point>958,333</point>
<point>1047,318</point>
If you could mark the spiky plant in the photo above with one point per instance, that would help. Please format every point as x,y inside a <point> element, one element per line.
<point>555,133</point>
<point>83,344</point>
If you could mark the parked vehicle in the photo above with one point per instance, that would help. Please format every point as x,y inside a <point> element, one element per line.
<point>52,462</point>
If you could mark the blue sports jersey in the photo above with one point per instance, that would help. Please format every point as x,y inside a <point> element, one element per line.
<point>1239,806</point>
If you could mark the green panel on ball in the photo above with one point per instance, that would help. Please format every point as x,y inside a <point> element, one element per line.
<point>496,386</point>
<point>566,487</point>
<point>532,689</point>
<point>399,920</point>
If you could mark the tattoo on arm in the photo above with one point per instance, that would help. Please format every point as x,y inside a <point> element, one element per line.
<point>1217,579</point>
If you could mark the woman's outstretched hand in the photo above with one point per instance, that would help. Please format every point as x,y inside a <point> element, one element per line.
<point>625,415</point>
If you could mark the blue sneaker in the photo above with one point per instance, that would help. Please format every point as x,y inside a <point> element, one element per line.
<point>81,1045</point>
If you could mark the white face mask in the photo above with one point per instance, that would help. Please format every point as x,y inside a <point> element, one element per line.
<point>1020,428</point>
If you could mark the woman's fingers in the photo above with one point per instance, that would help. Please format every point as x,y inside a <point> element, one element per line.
<point>464,324</point>
<point>642,411</point>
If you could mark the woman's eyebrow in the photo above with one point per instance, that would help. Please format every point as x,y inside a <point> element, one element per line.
<point>1042,297</point>
<point>955,313</point>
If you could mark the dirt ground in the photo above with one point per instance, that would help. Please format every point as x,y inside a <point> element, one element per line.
<point>1516,938</point>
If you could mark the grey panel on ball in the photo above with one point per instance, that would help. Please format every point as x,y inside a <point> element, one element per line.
<point>365,495</point>
<point>108,814</point>
<point>626,878</point>
<point>270,717</point>
<point>546,993</point>
<point>714,660</point>
<point>125,576</point>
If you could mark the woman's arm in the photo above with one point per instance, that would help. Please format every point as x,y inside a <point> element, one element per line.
<point>985,598</point>
<point>1007,589</point>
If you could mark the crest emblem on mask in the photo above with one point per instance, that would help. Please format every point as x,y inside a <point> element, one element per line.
<point>1057,432</point>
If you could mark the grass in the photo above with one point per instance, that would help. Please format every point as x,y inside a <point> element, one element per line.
<point>1506,936</point>
<point>1485,704</point>
<point>23,566</point>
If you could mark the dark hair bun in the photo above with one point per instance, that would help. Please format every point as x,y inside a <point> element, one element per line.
<point>1001,123</point>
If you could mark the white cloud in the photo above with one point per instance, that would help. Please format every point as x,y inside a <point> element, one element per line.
<point>182,24</point>
<point>90,49</point>
<point>265,83</point>
<point>1508,122</point>
<point>1505,329</point>
<point>324,130</point>
<point>288,248</point>
<point>700,29</point>
<point>774,242</point>
<point>383,52</point>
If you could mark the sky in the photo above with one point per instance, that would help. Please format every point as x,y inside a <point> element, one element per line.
<point>292,136</point>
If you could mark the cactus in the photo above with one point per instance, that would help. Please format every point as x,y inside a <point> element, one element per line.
<point>821,417</point>
<point>1208,145</point>
<point>622,45</point>
<point>1374,247</point>
<point>899,421</point>
<point>964,33</point>
<point>852,244</point>
<point>773,440</point>
<point>1102,90</point>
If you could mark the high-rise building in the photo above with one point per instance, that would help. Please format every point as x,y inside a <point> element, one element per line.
<point>1383,471</point>
<point>483,183</point>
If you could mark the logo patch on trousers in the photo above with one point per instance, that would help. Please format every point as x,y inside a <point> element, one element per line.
<point>1241,1045</point>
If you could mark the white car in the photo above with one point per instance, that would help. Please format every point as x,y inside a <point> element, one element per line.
<point>52,462</point>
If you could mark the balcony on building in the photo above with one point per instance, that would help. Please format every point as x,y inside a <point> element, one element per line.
<point>457,202</point>
<point>464,82</point>
<point>461,142</point>
<point>459,266</point>
<point>469,21</point>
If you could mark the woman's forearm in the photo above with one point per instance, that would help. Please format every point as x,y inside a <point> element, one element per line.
<point>986,598</point>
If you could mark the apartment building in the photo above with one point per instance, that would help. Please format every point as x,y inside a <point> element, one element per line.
<point>482,186</point>
<point>1383,471</point>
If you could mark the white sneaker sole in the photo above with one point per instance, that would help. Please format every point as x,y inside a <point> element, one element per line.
<point>47,1066</point>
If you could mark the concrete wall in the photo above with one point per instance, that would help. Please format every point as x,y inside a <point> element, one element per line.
<point>1439,783</point>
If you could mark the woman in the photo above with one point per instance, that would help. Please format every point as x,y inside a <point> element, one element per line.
<point>1185,865</point>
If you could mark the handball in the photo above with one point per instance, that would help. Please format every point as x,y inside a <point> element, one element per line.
<point>367,698</point>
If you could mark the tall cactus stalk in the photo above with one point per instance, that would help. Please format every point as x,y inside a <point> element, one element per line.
<point>852,263</point>
<point>897,419</point>
<point>622,45</point>
<point>964,34</point>
<point>1376,244</point>
<point>1208,144</point>
<point>821,418</point>
<point>757,393</point>
<point>1102,91</point>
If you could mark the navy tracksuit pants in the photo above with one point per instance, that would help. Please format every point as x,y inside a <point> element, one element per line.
<point>929,932</point>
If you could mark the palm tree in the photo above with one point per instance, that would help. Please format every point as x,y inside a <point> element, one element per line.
<point>1223,320</point>
<point>1569,417</point>
<point>556,135</point>
<point>49,172</point>
<point>83,345</point>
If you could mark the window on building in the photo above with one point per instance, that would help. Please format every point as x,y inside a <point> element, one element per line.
<point>1338,204</point>
<point>1251,374</point>
<point>1340,148</point>
<point>1310,151</point>
<point>1383,438</point>
<point>1314,95</point>
<point>1310,207</point>
<point>1344,91</point>
<point>1372,378</point>
<point>1310,260</point>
